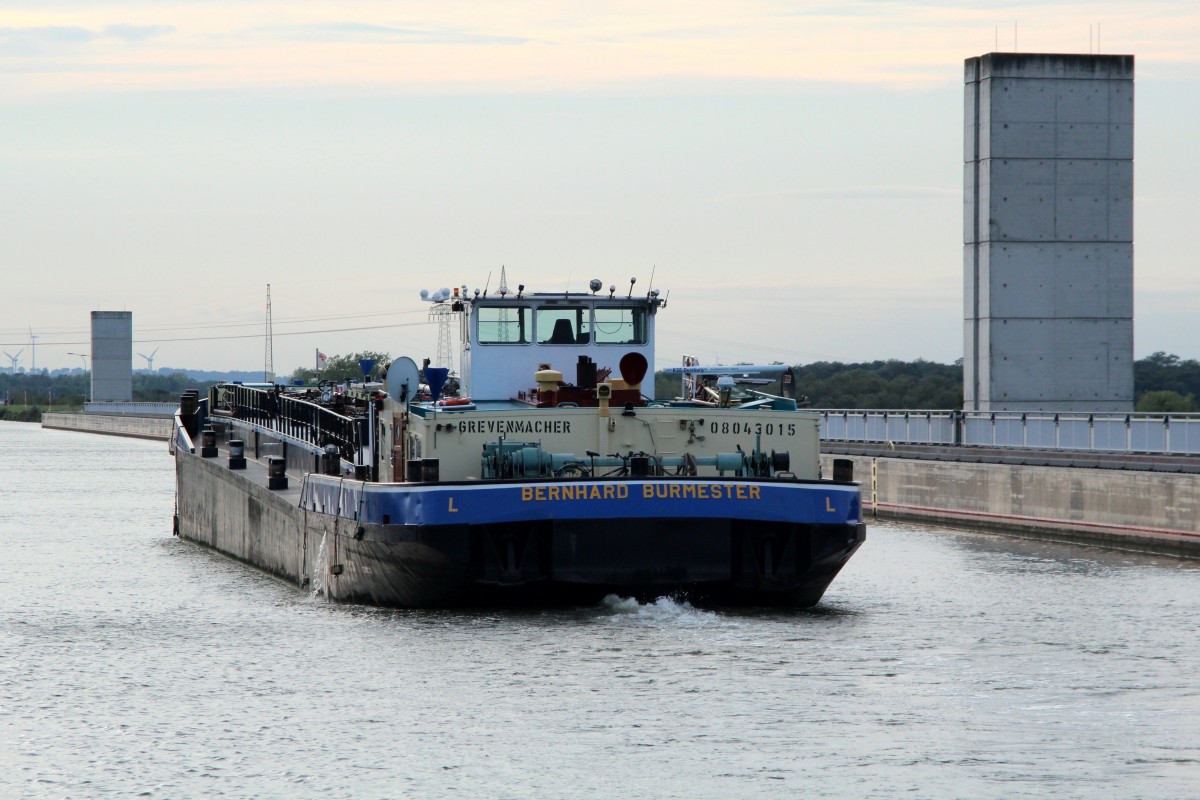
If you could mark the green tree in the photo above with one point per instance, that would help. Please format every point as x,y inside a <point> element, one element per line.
<point>344,367</point>
<point>890,384</point>
<point>157,388</point>
<point>1167,401</point>
<point>1161,372</point>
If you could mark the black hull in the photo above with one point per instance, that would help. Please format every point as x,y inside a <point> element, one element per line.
<point>710,562</point>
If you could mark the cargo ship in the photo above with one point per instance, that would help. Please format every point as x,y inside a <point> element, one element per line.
<point>547,474</point>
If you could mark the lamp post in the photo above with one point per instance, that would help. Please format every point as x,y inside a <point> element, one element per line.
<point>83,358</point>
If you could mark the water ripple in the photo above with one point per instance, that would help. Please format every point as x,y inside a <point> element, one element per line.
<point>942,663</point>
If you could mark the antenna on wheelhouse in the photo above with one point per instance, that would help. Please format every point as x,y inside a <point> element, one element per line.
<point>503,319</point>
<point>269,355</point>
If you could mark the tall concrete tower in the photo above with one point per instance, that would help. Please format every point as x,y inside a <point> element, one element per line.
<point>1048,228</point>
<point>112,356</point>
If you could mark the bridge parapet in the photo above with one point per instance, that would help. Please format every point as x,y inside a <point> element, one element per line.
<point>1167,434</point>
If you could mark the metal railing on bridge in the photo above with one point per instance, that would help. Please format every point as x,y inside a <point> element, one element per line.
<point>130,409</point>
<point>1167,434</point>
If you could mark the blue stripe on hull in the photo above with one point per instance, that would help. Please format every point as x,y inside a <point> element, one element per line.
<point>475,504</point>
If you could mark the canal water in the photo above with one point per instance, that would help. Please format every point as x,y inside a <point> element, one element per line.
<point>941,664</point>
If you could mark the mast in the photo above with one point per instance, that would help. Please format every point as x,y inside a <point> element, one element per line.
<point>504,318</point>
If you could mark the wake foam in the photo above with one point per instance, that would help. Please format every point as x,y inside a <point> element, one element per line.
<point>317,579</point>
<point>664,609</point>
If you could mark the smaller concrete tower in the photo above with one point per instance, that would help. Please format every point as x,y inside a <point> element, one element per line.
<point>112,356</point>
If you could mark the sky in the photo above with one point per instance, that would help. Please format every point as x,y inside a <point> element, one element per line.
<point>791,172</point>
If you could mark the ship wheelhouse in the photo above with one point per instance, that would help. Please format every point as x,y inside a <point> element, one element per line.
<point>508,339</point>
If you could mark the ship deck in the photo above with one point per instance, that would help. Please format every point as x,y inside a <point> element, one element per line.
<point>256,468</point>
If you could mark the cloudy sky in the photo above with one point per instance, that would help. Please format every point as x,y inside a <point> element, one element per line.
<point>790,171</point>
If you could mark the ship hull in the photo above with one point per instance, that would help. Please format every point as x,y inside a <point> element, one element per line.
<point>542,542</point>
<point>711,561</point>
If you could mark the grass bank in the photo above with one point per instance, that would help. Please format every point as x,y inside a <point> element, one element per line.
<point>20,413</point>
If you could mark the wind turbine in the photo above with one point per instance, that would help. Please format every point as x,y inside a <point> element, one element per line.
<point>32,350</point>
<point>14,359</point>
<point>150,359</point>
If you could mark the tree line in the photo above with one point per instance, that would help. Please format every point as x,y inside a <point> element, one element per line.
<point>1162,383</point>
<point>25,396</point>
<point>870,384</point>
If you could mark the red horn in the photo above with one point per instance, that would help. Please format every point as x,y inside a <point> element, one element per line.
<point>633,368</point>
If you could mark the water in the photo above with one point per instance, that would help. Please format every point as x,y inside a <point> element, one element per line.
<point>940,664</point>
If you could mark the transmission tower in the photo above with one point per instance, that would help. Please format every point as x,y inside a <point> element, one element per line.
<point>269,357</point>
<point>442,314</point>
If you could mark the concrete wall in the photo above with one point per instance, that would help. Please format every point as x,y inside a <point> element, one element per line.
<point>224,510</point>
<point>221,509</point>
<point>1048,233</point>
<point>137,427</point>
<point>1151,511</point>
<point>112,356</point>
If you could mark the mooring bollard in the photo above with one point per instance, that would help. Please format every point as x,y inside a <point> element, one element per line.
<point>276,473</point>
<point>237,454</point>
<point>189,412</point>
<point>208,443</point>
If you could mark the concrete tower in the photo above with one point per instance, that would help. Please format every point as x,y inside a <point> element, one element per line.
<point>112,356</point>
<point>1048,228</point>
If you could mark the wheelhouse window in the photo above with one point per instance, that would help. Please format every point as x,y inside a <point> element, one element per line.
<point>505,325</point>
<point>563,325</point>
<point>620,325</point>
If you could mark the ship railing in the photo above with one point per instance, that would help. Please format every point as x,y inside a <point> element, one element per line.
<point>1156,434</point>
<point>188,418</point>
<point>182,440</point>
<point>298,419</point>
